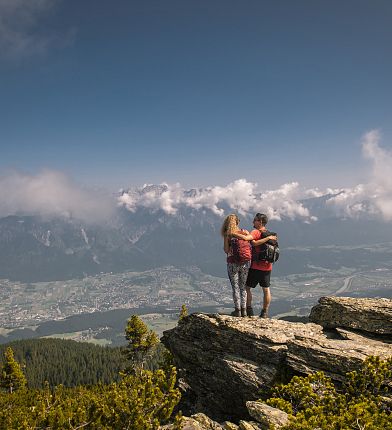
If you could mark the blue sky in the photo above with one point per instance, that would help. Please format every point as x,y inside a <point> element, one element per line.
<point>199,92</point>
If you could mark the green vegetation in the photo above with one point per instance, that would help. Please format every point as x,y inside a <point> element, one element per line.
<point>141,343</point>
<point>11,376</point>
<point>137,402</point>
<point>66,362</point>
<point>363,402</point>
<point>183,312</point>
<point>140,400</point>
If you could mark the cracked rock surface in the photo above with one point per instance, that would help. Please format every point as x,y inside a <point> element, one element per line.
<point>226,361</point>
<point>369,315</point>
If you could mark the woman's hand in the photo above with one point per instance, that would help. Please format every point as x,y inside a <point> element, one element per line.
<point>243,236</point>
<point>273,238</point>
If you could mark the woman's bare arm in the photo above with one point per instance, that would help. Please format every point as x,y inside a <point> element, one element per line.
<point>243,236</point>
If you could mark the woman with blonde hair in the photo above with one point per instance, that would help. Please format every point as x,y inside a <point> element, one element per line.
<point>239,254</point>
<point>237,246</point>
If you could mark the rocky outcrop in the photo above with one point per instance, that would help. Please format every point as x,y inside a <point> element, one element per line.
<point>267,416</point>
<point>334,356</point>
<point>370,315</point>
<point>227,361</point>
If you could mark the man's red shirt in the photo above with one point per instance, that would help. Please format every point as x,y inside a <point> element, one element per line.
<point>259,265</point>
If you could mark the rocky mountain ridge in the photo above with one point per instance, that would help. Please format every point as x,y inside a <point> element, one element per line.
<point>139,232</point>
<point>225,361</point>
<point>34,248</point>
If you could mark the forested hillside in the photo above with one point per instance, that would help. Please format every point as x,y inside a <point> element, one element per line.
<point>139,400</point>
<point>66,362</point>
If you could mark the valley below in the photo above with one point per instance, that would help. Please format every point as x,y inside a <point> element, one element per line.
<point>95,308</point>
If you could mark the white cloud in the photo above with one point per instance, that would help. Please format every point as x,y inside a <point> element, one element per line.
<point>285,202</point>
<point>21,31</point>
<point>381,160</point>
<point>289,200</point>
<point>241,196</point>
<point>51,193</point>
<point>153,197</point>
<point>238,195</point>
<point>351,202</point>
<point>374,197</point>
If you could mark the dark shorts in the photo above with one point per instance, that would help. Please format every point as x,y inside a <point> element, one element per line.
<point>260,277</point>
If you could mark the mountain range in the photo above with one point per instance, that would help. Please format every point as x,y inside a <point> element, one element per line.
<point>42,248</point>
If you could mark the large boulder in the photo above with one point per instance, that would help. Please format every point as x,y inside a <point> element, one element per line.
<point>227,361</point>
<point>369,315</point>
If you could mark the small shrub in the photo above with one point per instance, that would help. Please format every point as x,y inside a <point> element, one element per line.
<point>314,402</point>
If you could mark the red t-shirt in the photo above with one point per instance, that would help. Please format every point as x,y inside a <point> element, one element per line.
<point>259,265</point>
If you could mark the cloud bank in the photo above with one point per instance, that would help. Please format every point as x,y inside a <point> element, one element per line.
<point>51,193</point>
<point>240,196</point>
<point>21,31</point>
<point>373,199</point>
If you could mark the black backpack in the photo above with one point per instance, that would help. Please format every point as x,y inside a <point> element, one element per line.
<point>269,251</point>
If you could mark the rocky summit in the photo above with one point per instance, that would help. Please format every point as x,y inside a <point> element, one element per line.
<point>370,315</point>
<point>225,362</point>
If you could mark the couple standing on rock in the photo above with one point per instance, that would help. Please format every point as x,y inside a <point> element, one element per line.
<point>245,270</point>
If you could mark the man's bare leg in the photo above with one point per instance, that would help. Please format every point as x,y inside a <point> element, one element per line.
<point>266,302</point>
<point>267,298</point>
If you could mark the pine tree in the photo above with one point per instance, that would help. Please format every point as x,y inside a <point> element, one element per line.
<point>11,378</point>
<point>183,313</point>
<point>141,343</point>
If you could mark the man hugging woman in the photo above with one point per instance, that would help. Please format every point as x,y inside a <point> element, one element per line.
<point>245,270</point>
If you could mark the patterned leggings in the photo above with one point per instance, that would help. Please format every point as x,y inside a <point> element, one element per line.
<point>237,275</point>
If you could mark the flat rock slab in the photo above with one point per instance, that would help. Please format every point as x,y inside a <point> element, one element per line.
<point>227,361</point>
<point>369,315</point>
<point>335,357</point>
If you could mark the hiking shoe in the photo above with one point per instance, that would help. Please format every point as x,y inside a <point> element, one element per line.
<point>249,311</point>
<point>243,312</point>
<point>236,313</point>
<point>264,313</point>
